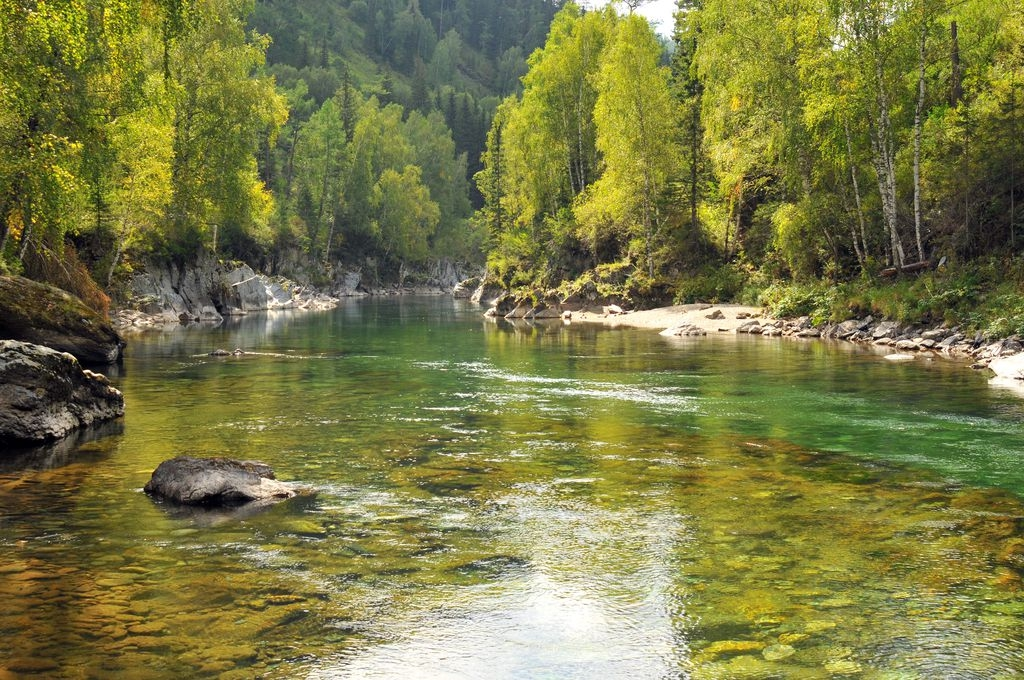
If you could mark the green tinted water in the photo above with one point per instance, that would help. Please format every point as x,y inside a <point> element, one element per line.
<point>552,502</point>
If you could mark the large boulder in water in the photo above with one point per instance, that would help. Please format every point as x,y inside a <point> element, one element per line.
<point>44,315</point>
<point>216,482</point>
<point>45,394</point>
<point>1008,368</point>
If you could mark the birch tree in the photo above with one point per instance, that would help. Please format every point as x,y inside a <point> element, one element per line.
<point>634,117</point>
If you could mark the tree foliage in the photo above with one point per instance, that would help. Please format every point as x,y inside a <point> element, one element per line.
<point>802,138</point>
<point>131,125</point>
<point>156,128</point>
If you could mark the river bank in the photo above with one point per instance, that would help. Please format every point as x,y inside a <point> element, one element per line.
<point>726,318</point>
<point>209,289</point>
<point>902,341</point>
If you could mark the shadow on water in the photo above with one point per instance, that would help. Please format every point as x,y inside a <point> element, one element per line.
<point>57,454</point>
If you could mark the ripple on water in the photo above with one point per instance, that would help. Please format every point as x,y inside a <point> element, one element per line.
<point>642,516</point>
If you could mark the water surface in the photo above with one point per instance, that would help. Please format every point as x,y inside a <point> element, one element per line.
<point>495,501</point>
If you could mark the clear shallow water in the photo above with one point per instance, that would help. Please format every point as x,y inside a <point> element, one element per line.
<point>551,502</point>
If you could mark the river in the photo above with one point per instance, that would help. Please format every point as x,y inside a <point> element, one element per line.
<point>492,501</point>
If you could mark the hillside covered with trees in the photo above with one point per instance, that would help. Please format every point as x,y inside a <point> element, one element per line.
<point>778,143</point>
<point>299,133</point>
<point>793,154</point>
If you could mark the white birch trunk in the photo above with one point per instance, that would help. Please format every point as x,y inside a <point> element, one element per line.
<point>860,245</point>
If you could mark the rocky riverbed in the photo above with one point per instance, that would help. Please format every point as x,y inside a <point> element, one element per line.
<point>905,341</point>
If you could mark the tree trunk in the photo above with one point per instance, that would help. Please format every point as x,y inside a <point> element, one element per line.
<point>918,111</point>
<point>861,247</point>
<point>956,91</point>
<point>118,252</point>
<point>290,166</point>
<point>26,234</point>
<point>330,237</point>
<point>695,148</point>
<point>885,167</point>
<point>965,107</point>
<point>648,225</point>
<point>5,230</point>
<point>1013,166</point>
<point>735,217</point>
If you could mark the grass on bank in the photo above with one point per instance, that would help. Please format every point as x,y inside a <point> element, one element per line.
<point>985,296</point>
<point>982,295</point>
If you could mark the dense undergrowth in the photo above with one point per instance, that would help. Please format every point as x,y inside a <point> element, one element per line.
<point>985,296</point>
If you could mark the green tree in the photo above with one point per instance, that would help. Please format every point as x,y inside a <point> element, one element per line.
<point>405,216</point>
<point>43,52</point>
<point>220,112</point>
<point>688,90</point>
<point>141,177</point>
<point>444,173</point>
<point>635,132</point>
<point>322,158</point>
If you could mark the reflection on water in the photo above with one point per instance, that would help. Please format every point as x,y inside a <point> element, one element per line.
<point>527,502</point>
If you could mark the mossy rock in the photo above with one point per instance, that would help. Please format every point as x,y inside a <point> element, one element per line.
<point>44,315</point>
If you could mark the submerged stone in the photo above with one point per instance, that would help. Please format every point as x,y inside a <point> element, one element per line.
<point>777,652</point>
<point>726,648</point>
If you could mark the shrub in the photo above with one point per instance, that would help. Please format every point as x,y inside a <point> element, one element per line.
<point>713,284</point>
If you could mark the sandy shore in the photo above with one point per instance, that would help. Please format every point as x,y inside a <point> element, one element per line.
<point>668,317</point>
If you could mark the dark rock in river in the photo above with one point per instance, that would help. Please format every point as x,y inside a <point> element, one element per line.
<point>44,315</point>
<point>45,394</point>
<point>216,482</point>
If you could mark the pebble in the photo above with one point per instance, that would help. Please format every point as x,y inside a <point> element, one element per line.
<point>899,357</point>
<point>722,648</point>
<point>792,638</point>
<point>31,664</point>
<point>101,611</point>
<point>153,628</point>
<point>843,667</point>
<point>819,626</point>
<point>777,652</point>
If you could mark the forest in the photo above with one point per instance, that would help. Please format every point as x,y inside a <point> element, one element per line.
<point>288,135</point>
<point>806,154</point>
<point>818,156</point>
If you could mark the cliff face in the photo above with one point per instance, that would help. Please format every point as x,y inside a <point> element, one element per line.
<point>44,315</point>
<point>209,289</point>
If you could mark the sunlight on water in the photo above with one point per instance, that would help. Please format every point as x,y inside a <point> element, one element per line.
<point>491,501</point>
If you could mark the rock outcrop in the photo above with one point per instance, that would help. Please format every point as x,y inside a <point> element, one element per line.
<point>1008,367</point>
<point>683,330</point>
<point>46,395</point>
<point>464,290</point>
<point>216,482</point>
<point>209,290</point>
<point>41,314</point>
<point>906,340</point>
